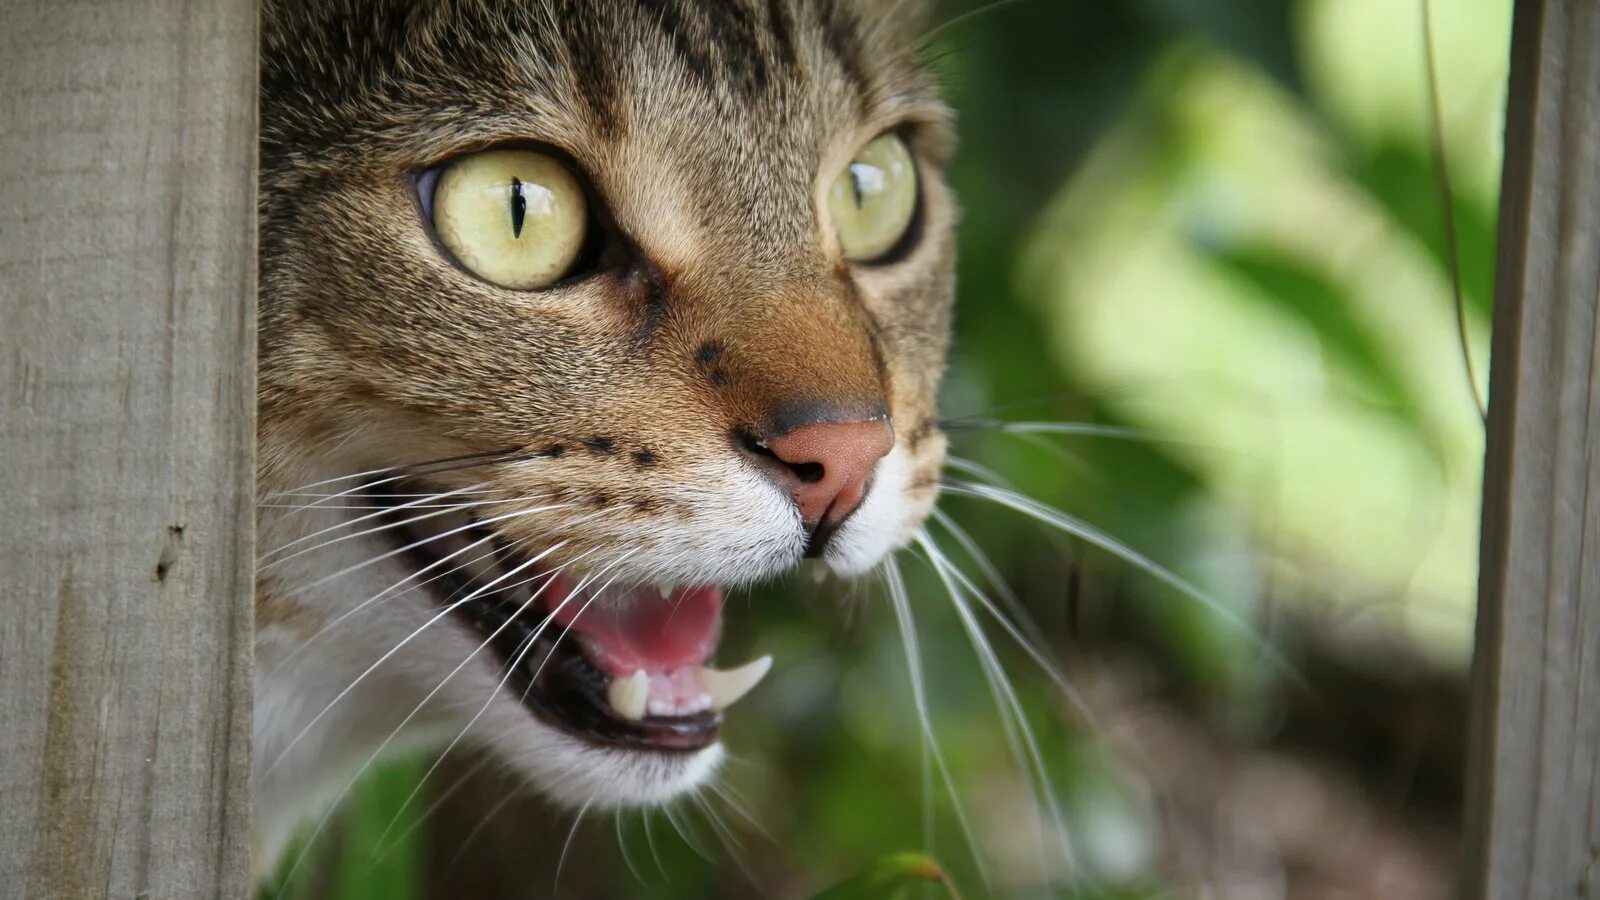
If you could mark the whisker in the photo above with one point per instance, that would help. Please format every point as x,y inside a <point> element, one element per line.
<point>376,512</point>
<point>976,470</point>
<point>555,884</point>
<point>381,852</point>
<point>730,795</point>
<point>650,841</point>
<point>901,604</point>
<point>376,754</point>
<point>622,845</point>
<point>1019,734</point>
<point>511,666</point>
<point>730,842</point>
<point>1076,429</point>
<point>1082,530</point>
<point>392,589</point>
<point>395,649</point>
<point>962,18</point>
<point>391,495</point>
<point>1028,637</point>
<point>316,583</point>
<point>466,842</point>
<point>305,645</point>
<point>353,506</point>
<point>991,576</point>
<point>403,469</point>
<point>683,832</point>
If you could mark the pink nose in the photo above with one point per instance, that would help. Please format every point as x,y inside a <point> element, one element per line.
<point>829,464</point>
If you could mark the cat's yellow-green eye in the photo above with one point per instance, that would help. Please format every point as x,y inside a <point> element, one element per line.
<point>513,217</point>
<point>873,200</point>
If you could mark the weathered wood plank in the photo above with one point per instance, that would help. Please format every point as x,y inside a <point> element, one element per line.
<point>1533,827</point>
<point>127,135</point>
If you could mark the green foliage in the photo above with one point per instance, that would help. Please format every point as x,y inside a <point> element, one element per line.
<point>893,878</point>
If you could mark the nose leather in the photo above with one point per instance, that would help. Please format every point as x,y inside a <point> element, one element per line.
<point>832,463</point>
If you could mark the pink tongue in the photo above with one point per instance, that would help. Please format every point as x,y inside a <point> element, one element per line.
<point>637,628</point>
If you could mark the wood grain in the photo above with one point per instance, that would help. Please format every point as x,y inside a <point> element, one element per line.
<point>127,168</point>
<point>1533,806</point>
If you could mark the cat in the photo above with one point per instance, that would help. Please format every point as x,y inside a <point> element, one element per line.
<point>575,314</point>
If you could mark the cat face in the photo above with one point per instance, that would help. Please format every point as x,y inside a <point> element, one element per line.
<point>699,356</point>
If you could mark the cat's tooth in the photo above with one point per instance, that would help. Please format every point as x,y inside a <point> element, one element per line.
<point>629,695</point>
<point>725,687</point>
<point>666,588</point>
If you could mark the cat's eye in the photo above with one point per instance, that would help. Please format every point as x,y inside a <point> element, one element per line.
<point>516,218</point>
<point>874,199</point>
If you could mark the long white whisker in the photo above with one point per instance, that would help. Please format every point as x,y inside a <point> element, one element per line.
<point>1033,643</point>
<point>271,558</point>
<point>388,494</point>
<point>1019,734</point>
<point>396,648</point>
<point>1082,530</point>
<point>976,470</point>
<point>391,589</point>
<point>466,842</point>
<point>514,514</point>
<point>376,754</point>
<point>730,842</point>
<point>730,795</point>
<point>1079,429</point>
<point>272,495</point>
<point>622,845</point>
<point>556,883</point>
<point>650,841</point>
<point>353,506</point>
<point>683,832</point>
<point>405,471</point>
<point>991,576</point>
<point>380,851</point>
<point>901,605</point>
<point>515,663</point>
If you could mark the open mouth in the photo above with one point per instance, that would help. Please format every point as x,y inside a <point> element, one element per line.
<point>615,664</point>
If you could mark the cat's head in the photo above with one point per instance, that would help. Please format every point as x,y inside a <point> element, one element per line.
<point>614,304</point>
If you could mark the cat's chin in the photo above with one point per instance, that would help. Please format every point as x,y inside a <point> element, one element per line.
<point>578,775</point>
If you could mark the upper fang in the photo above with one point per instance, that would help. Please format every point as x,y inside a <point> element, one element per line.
<point>726,687</point>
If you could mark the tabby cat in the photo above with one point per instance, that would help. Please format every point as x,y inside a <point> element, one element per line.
<point>574,315</point>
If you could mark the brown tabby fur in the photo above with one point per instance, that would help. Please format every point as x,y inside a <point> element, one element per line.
<point>708,133</point>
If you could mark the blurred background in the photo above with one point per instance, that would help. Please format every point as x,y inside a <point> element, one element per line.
<point>1206,314</point>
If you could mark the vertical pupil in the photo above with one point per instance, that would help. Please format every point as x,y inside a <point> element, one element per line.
<point>519,207</point>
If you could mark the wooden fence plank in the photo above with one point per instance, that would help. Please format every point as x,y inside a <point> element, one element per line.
<point>1533,828</point>
<point>127,297</point>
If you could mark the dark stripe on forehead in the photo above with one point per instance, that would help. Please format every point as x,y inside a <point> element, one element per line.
<point>669,17</point>
<point>839,31</point>
<point>782,28</point>
<point>733,29</point>
<point>592,54</point>
<point>732,44</point>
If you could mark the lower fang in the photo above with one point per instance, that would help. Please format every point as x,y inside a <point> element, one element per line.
<point>629,695</point>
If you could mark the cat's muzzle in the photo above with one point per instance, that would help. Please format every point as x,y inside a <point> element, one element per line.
<point>623,665</point>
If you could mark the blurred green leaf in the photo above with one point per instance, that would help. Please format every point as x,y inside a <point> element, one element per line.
<point>1405,182</point>
<point>891,878</point>
<point>1324,306</point>
<point>1261,31</point>
<point>380,858</point>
